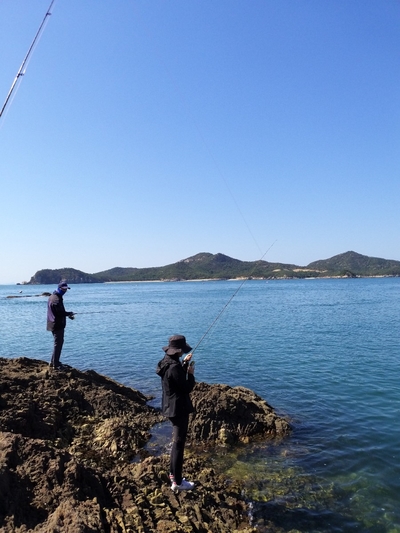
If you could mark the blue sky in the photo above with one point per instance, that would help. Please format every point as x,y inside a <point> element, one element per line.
<point>144,132</point>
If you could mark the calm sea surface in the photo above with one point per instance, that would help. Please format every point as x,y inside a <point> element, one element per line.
<point>325,353</point>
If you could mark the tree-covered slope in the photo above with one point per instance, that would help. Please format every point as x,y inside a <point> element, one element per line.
<point>51,277</point>
<point>359,265</point>
<point>220,266</point>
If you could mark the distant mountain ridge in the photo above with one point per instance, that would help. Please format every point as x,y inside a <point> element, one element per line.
<point>219,266</point>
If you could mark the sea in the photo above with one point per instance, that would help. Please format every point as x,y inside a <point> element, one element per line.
<point>325,353</point>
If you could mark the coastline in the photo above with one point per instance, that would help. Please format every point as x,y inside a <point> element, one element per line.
<point>216,267</point>
<point>288,278</point>
<point>74,455</point>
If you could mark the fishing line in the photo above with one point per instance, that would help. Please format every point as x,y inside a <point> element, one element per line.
<point>221,175</point>
<point>228,302</point>
<point>186,106</point>
<point>22,68</point>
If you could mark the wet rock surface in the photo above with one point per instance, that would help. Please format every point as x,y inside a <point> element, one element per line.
<point>228,415</point>
<point>69,448</point>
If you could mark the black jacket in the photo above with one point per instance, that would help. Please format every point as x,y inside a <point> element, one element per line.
<point>176,387</point>
<point>56,313</point>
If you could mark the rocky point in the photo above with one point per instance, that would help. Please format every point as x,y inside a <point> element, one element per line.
<point>73,455</point>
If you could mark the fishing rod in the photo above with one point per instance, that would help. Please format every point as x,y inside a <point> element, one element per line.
<point>22,68</point>
<point>228,302</point>
<point>90,312</point>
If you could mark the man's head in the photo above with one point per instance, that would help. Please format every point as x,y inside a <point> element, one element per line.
<point>177,344</point>
<point>63,286</point>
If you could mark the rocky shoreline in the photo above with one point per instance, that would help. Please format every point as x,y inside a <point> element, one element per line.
<point>73,455</point>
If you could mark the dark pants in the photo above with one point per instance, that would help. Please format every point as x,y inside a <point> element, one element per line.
<point>58,336</point>
<point>179,432</point>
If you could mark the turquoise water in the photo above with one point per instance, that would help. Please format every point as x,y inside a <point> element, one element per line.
<point>323,352</point>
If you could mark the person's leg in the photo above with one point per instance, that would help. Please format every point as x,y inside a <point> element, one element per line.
<point>179,433</point>
<point>58,344</point>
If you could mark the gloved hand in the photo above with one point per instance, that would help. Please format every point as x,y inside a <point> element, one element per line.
<point>71,316</point>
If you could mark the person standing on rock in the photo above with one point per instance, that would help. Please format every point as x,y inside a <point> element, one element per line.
<point>56,322</point>
<point>177,384</point>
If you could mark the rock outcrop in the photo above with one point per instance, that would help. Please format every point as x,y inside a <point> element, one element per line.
<point>228,415</point>
<point>72,455</point>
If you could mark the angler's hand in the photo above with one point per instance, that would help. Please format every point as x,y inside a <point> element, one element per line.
<point>188,357</point>
<point>71,316</point>
<point>191,368</point>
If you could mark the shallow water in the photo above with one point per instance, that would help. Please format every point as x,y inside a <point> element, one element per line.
<point>323,352</point>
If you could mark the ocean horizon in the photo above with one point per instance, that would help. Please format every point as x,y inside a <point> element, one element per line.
<point>323,352</point>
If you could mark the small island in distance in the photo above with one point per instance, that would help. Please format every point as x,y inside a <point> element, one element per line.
<point>207,266</point>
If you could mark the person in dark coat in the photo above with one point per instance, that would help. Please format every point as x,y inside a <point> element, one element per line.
<point>177,384</point>
<point>56,322</point>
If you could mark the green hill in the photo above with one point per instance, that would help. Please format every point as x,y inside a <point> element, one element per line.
<point>49,277</point>
<point>357,265</point>
<point>220,266</point>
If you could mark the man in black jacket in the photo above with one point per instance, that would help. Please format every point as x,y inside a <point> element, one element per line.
<point>56,321</point>
<point>177,383</point>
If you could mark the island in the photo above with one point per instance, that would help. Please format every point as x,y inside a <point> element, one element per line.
<point>206,266</point>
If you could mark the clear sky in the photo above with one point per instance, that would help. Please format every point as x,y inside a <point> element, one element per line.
<point>144,132</point>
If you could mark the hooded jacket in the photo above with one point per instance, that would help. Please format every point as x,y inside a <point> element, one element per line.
<point>176,387</point>
<point>56,312</point>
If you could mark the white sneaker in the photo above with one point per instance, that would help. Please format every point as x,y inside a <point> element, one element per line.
<point>185,485</point>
